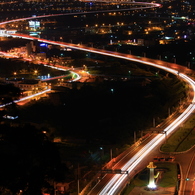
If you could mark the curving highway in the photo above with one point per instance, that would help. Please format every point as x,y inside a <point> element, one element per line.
<point>115,183</point>
<point>142,5</point>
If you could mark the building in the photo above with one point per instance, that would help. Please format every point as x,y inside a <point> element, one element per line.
<point>28,86</point>
<point>6,33</point>
<point>31,85</point>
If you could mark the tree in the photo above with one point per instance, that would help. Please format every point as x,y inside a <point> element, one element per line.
<point>29,161</point>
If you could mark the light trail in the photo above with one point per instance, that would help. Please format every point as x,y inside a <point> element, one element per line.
<point>192,190</point>
<point>146,6</point>
<point>114,184</point>
<point>76,75</point>
<point>32,96</point>
<point>26,98</point>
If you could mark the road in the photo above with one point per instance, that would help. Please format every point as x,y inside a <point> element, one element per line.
<point>186,161</point>
<point>113,184</point>
<point>119,161</point>
<point>142,5</point>
<point>189,179</point>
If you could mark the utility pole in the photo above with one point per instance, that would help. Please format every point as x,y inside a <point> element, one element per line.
<point>111,154</point>
<point>154,122</point>
<point>78,180</point>
<point>189,65</point>
<point>141,133</point>
<point>169,111</point>
<point>134,136</point>
<point>54,183</point>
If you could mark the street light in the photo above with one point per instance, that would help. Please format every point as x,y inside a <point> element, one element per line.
<point>35,72</point>
<point>174,59</point>
<point>102,152</point>
<point>84,67</point>
<point>129,73</point>
<point>61,38</point>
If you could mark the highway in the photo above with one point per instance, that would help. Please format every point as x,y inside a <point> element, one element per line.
<point>77,77</point>
<point>120,162</point>
<point>142,5</point>
<point>26,98</point>
<point>187,181</point>
<point>114,183</point>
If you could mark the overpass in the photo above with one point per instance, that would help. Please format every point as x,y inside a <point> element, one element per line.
<point>113,185</point>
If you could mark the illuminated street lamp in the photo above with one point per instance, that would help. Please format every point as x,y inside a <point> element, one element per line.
<point>174,59</point>
<point>84,67</point>
<point>102,152</point>
<point>129,74</point>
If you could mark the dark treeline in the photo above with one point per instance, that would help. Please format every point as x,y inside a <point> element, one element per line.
<point>29,162</point>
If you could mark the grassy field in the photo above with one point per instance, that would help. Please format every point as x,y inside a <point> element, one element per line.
<point>183,139</point>
<point>167,177</point>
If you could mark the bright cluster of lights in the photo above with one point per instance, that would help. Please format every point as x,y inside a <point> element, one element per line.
<point>25,98</point>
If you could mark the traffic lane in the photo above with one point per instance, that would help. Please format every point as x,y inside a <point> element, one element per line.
<point>119,164</point>
<point>188,173</point>
<point>184,160</point>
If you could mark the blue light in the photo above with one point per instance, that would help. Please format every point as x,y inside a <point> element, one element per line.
<point>43,44</point>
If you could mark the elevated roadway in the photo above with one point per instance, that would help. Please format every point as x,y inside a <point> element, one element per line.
<point>137,6</point>
<point>113,184</point>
